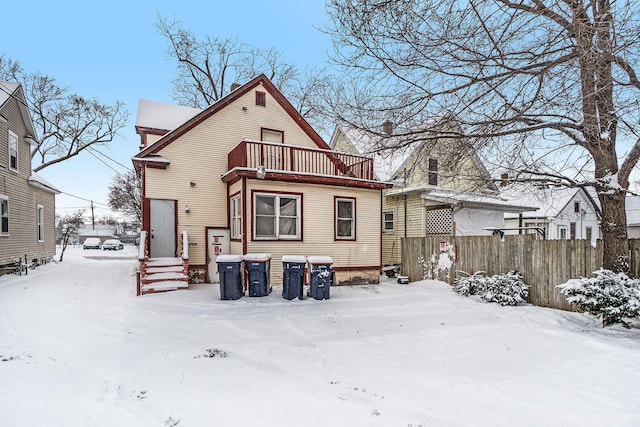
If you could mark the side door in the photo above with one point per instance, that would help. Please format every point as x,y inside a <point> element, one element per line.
<point>218,243</point>
<point>163,228</point>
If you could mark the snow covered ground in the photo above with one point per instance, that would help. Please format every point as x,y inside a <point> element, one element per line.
<point>78,348</point>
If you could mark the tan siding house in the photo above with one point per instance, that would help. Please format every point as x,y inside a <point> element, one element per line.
<point>249,175</point>
<point>439,187</point>
<point>27,202</point>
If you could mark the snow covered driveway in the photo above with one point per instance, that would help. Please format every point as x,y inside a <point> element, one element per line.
<point>78,348</point>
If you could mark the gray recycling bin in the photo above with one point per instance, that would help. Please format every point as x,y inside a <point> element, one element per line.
<point>229,270</point>
<point>319,276</point>
<point>258,267</point>
<point>293,276</point>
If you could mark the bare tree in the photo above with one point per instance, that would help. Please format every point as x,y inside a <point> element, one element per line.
<point>210,67</point>
<point>125,194</point>
<point>67,123</point>
<point>69,225</point>
<point>546,88</point>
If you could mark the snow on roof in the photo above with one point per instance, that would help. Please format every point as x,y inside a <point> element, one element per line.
<point>160,115</point>
<point>551,201</point>
<point>6,90</point>
<point>469,200</point>
<point>43,183</point>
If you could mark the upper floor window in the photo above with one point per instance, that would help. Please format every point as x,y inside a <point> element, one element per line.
<point>4,215</point>
<point>13,150</point>
<point>277,216</point>
<point>261,99</point>
<point>345,219</point>
<point>576,207</point>
<point>40,220</point>
<point>236,217</point>
<point>388,223</point>
<point>432,175</point>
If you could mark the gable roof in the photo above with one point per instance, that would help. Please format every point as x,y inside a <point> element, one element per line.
<point>389,166</point>
<point>10,90</point>
<point>259,81</point>
<point>550,201</point>
<point>359,143</point>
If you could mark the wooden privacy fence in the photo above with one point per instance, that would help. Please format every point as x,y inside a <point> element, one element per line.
<point>542,263</point>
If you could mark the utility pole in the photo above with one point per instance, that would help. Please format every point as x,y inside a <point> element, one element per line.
<point>93,218</point>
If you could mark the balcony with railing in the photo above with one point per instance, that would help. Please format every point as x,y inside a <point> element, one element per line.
<point>290,159</point>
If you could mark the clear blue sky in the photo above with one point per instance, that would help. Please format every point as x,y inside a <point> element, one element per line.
<point>111,51</point>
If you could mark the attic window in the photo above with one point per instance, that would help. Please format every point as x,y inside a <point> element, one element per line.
<point>433,172</point>
<point>261,99</point>
<point>576,207</point>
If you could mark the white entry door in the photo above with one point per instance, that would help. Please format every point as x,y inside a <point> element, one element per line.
<point>163,228</point>
<point>219,244</point>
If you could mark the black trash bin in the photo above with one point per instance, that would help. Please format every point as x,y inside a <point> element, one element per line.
<point>293,276</point>
<point>230,274</point>
<point>319,276</point>
<point>258,267</point>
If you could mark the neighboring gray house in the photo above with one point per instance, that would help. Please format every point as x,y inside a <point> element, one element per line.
<point>563,213</point>
<point>27,201</point>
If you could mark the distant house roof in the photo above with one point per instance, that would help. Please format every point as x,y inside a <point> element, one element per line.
<point>101,230</point>
<point>159,115</point>
<point>550,201</point>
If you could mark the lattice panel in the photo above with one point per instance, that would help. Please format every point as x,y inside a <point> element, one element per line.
<point>439,221</point>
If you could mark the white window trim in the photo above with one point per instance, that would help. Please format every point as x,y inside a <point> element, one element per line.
<point>235,206</point>
<point>566,232</point>
<point>5,198</point>
<point>40,222</point>
<point>278,236</point>
<point>353,219</point>
<point>11,134</point>
<point>384,222</point>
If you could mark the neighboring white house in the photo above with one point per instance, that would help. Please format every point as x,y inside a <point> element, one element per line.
<point>563,213</point>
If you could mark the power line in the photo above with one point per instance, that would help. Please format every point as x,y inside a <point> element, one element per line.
<point>86,200</point>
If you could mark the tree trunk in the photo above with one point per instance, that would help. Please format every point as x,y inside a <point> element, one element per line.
<point>614,231</point>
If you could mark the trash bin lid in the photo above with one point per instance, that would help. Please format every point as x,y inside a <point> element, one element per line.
<point>294,258</point>
<point>257,257</point>
<point>320,260</point>
<point>229,258</point>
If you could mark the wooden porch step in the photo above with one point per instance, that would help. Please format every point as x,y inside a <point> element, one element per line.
<point>165,286</point>
<point>164,262</point>
<point>168,269</point>
<point>165,277</point>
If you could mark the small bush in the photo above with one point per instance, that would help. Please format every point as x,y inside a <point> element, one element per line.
<point>612,295</point>
<point>505,289</point>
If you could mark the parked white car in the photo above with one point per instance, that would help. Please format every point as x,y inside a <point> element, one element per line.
<point>112,245</point>
<point>92,243</point>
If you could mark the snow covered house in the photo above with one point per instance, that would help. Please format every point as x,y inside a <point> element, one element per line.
<point>27,201</point>
<point>440,186</point>
<point>249,175</point>
<point>562,213</point>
